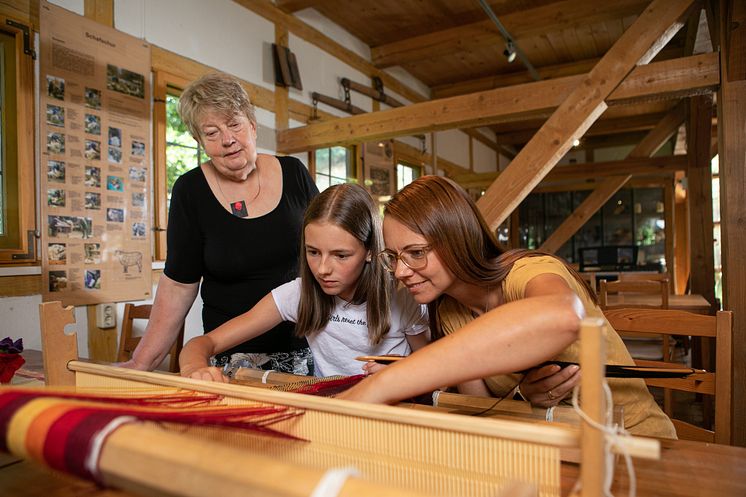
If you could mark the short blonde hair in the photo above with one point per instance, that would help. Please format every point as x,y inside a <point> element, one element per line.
<point>214,92</point>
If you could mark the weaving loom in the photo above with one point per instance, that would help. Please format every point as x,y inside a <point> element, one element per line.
<point>396,451</point>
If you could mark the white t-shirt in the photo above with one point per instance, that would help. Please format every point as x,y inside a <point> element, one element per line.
<point>345,336</point>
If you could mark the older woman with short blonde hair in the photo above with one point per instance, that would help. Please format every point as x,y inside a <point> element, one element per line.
<point>234,226</point>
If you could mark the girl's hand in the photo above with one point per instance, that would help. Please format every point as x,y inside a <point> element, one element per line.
<point>371,367</point>
<point>206,374</point>
<point>548,385</point>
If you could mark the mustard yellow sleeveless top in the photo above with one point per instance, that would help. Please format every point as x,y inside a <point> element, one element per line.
<point>642,416</point>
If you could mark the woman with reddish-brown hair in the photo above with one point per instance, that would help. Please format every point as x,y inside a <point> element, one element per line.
<point>492,312</point>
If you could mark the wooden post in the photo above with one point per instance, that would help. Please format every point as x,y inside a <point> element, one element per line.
<point>593,402</point>
<point>57,348</point>
<point>732,147</point>
<point>700,197</point>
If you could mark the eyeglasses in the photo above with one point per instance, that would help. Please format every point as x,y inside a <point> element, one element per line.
<point>414,258</point>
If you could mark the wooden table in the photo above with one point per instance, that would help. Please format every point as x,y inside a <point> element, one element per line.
<point>686,469</point>
<point>692,302</point>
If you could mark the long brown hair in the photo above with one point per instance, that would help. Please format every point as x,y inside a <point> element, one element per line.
<point>350,207</point>
<point>441,211</point>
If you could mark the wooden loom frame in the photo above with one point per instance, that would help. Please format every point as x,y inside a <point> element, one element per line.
<point>395,433</point>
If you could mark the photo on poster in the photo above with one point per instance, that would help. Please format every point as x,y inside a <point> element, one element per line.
<point>56,171</point>
<point>92,150</point>
<point>92,200</point>
<point>92,98</point>
<point>114,215</point>
<point>115,155</point>
<point>92,176</point>
<point>57,281</point>
<point>69,227</point>
<point>138,174</point>
<point>56,115</point>
<point>56,142</point>
<point>124,81</point>
<point>92,124</point>
<point>114,184</point>
<point>138,199</point>
<point>138,149</point>
<point>92,279</point>
<point>57,253</point>
<point>55,197</point>
<point>92,253</point>
<point>56,87</point>
<point>115,137</point>
<point>138,230</point>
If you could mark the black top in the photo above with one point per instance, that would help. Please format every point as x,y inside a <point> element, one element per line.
<point>239,260</point>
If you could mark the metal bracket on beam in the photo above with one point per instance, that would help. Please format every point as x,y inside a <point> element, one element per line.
<point>30,255</point>
<point>26,36</point>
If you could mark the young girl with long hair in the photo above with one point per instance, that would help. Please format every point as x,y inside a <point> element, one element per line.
<point>344,302</point>
<point>492,312</point>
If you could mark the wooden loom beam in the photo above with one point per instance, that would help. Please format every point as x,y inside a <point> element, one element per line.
<point>127,464</point>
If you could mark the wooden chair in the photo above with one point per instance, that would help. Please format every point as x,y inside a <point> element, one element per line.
<point>632,291</point>
<point>636,291</point>
<point>639,276</point>
<point>717,384</point>
<point>128,342</point>
<point>590,278</point>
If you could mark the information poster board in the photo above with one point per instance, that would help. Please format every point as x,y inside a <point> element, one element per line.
<point>94,115</point>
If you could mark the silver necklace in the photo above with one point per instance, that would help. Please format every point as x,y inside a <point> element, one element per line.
<point>239,208</point>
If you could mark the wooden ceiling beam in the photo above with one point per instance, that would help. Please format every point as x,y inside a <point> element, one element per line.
<point>291,6</point>
<point>694,74</point>
<point>658,23</point>
<point>636,166</point>
<point>601,127</point>
<point>528,23</point>
<point>316,37</point>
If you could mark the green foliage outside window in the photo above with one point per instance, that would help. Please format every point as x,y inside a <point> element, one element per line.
<point>182,150</point>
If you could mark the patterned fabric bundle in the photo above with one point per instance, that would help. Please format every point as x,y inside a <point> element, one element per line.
<point>66,430</point>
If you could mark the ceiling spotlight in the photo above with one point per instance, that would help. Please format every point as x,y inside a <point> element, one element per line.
<point>575,142</point>
<point>509,51</point>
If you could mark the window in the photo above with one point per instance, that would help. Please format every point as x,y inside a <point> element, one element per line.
<point>17,223</point>
<point>182,150</point>
<point>333,166</point>
<point>405,174</point>
<point>715,165</point>
<point>633,216</point>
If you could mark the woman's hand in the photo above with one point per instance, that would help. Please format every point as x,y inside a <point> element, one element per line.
<point>210,373</point>
<point>546,386</point>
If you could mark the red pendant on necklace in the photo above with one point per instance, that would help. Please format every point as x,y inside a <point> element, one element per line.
<point>239,209</point>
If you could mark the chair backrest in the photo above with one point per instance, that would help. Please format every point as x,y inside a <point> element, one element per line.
<point>634,294</point>
<point>640,276</point>
<point>718,384</point>
<point>128,342</point>
<point>590,278</point>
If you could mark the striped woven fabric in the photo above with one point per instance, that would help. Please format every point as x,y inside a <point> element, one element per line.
<point>66,430</point>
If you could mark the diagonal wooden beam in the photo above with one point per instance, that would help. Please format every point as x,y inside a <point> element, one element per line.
<point>639,43</point>
<point>649,145</point>
<point>691,75</point>
<point>523,24</point>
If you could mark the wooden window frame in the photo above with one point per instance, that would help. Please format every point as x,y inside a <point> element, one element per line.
<point>23,252</point>
<point>164,84</point>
